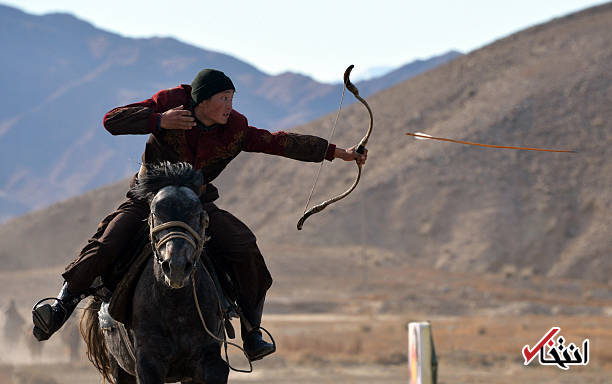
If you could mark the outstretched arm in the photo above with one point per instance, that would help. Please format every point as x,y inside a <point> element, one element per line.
<point>298,147</point>
<point>287,144</point>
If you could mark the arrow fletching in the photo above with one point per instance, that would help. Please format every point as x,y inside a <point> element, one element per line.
<point>421,136</point>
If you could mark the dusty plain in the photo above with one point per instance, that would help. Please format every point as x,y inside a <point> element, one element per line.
<point>339,323</point>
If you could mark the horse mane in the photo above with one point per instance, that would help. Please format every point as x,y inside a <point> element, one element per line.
<point>160,175</point>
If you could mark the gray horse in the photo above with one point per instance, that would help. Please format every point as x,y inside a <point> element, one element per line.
<point>170,343</point>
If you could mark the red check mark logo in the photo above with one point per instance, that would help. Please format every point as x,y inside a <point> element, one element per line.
<point>529,354</point>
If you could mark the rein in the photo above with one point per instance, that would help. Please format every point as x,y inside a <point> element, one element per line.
<point>221,340</point>
<point>198,246</point>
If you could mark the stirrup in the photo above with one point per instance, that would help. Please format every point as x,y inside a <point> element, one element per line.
<point>42,315</point>
<point>264,353</point>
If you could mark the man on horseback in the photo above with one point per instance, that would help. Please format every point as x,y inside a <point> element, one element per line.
<point>194,124</point>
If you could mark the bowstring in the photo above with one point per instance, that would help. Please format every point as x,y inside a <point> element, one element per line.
<point>331,136</point>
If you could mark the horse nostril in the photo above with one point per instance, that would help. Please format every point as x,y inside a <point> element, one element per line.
<point>188,267</point>
<point>166,267</point>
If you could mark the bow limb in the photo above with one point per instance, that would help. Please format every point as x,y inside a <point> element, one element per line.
<point>360,149</point>
<point>355,92</point>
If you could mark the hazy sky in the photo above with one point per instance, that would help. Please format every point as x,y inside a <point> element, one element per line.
<point>317,37</point>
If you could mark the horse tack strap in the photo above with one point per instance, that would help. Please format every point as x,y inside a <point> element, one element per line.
<point>126,340</point>
<point>173,224</point>
<point>180,224</point>
<point>223,340</point>
<point>175,235</point>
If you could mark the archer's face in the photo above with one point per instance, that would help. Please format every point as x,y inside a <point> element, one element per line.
<point>215,110</point>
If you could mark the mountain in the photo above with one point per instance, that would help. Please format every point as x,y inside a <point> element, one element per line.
<point>63,74</point>
<point>369,87</point>
<point>370,73</point>
<point>449,206</point>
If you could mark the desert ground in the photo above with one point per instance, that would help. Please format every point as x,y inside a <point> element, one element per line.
<point>338,323</point>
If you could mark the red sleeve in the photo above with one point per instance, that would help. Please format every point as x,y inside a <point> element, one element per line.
<point>143,117</point>
<point>261,140</point>
<point>291,145</point>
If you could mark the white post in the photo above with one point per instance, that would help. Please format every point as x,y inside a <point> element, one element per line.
<point>422,361</point>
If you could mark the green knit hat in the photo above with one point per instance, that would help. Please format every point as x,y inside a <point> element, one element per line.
<point>209,82</point>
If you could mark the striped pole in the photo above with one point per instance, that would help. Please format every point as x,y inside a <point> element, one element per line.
<point>422,360</point>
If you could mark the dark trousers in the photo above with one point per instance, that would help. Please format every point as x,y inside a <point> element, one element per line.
<point>232,243</point>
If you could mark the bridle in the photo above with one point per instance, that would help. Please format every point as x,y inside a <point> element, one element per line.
<point>196,240</point>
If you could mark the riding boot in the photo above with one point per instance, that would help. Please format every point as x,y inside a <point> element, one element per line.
<point>48,318</point>
<point>254,345</point>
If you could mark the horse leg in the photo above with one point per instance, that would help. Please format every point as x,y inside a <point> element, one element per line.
<point>213,369</point>
<point>120,376</point>
<point>150,368</point>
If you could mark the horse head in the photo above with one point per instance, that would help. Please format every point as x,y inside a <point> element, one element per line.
<point>177,221</point>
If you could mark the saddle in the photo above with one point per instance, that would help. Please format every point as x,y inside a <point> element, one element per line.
<point>117,288</point>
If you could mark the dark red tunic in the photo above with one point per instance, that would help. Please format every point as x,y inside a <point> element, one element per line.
<point>214,146</point>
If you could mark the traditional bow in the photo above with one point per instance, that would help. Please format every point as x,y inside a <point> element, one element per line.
<point>360,149</point>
